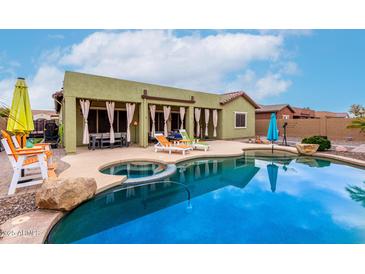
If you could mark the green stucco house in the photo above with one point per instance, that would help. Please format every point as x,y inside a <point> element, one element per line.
<point>99,104</point>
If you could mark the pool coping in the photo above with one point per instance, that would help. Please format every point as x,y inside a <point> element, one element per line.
<point>54,216</point>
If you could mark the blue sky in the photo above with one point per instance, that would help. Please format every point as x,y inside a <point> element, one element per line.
<point>321,69</point>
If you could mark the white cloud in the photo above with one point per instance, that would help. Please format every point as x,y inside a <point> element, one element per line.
<point>192,61</point>
<point>290,68</point>
<point>6,91</point>
<point>259,87</point>
<point>46,81</point>
<point>161,57</point>
<point>271,85</point>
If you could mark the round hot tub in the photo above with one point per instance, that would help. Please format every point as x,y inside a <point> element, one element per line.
<point>140,171</point>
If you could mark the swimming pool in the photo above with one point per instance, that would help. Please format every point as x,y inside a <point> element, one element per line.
<point>256,198</point>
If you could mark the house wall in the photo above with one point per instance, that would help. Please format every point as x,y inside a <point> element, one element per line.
<point>333,128</point>
<point>226,124</point>
<point>99,89</point>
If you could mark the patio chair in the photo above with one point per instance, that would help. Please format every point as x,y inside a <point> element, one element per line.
<point>120,139</point>
<point>94,140</point>
<point>195,143</point>
<point>45,146</point>
<point>21,159</point>
<point>105,140</point>
<point>164,145</point>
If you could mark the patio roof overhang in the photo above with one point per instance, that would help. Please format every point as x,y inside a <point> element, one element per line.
<point>146,96</point>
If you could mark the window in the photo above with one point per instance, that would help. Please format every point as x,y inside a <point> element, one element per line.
<point>240,119</point>
<point>175,121</point>
<point>103,121</point>
<point>91,121</point>
<point>122,121</point>
<point>98,121</point>
<point>159,121</point>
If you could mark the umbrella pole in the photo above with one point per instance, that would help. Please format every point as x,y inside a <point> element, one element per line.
<point>272,147</point>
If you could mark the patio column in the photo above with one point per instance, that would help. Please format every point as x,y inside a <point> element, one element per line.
<point>70,124</point>
<point>143,124</point>
<point>190,121</point>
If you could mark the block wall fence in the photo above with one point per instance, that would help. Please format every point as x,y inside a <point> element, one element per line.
<point>333,128</point>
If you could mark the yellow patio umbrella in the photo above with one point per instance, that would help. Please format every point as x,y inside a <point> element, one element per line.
<point>20,121</point>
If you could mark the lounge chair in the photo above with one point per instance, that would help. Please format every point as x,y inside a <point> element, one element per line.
<point>21,159</point>
<point>165,145</point>
<point>195,143</point>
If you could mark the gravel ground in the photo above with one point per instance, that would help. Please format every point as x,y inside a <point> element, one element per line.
<point>24,199</point>
<point>15,205</point>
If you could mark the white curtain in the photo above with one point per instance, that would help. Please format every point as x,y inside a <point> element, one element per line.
<point>130,112</point>
<point>166,114</point>
<point>153,112</point>
<point>197,119</point>
<point>215,122</point>
<point>110,110</point>
<point>206,112</point>
<point>85,106</point>
<point>182,115</point>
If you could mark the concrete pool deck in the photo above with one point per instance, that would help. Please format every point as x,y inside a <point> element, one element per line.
<point>87,163</point>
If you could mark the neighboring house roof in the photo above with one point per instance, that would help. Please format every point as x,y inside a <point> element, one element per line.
<point>306,112</point>
<point>273,108</point>
<point>44,114</point>
<point>331,114</point>
<point>229,97</point>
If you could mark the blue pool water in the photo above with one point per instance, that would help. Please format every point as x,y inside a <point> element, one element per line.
<point>257,198</point>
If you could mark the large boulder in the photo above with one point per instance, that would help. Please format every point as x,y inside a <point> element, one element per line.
<point>307,149</point>
<point>65,194</point>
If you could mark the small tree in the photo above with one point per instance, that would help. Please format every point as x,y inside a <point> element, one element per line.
<point>358,123</point>
<point>357,110</point>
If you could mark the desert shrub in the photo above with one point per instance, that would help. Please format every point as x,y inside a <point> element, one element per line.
<point>322,141</point>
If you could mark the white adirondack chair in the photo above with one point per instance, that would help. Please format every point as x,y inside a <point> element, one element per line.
<point>25,159</point>
<point>45,146</point>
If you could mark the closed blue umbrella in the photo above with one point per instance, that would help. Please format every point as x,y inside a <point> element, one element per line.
<point>272,133</point>
<point>272,171</point>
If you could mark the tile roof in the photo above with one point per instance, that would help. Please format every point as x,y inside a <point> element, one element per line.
<point>43,111</point>
<point>228,97</point>
<point>273,108</point>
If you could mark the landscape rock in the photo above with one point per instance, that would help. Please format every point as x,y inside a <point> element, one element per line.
<point>65,194</point>
<point>307,149</point>
<point>341,149</point>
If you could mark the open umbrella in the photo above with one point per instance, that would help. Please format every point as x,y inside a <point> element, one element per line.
<point>272,133</point>
<point>20,121</point>
<point>272,171</point>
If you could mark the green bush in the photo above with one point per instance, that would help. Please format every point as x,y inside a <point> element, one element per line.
<point>322,141</point>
